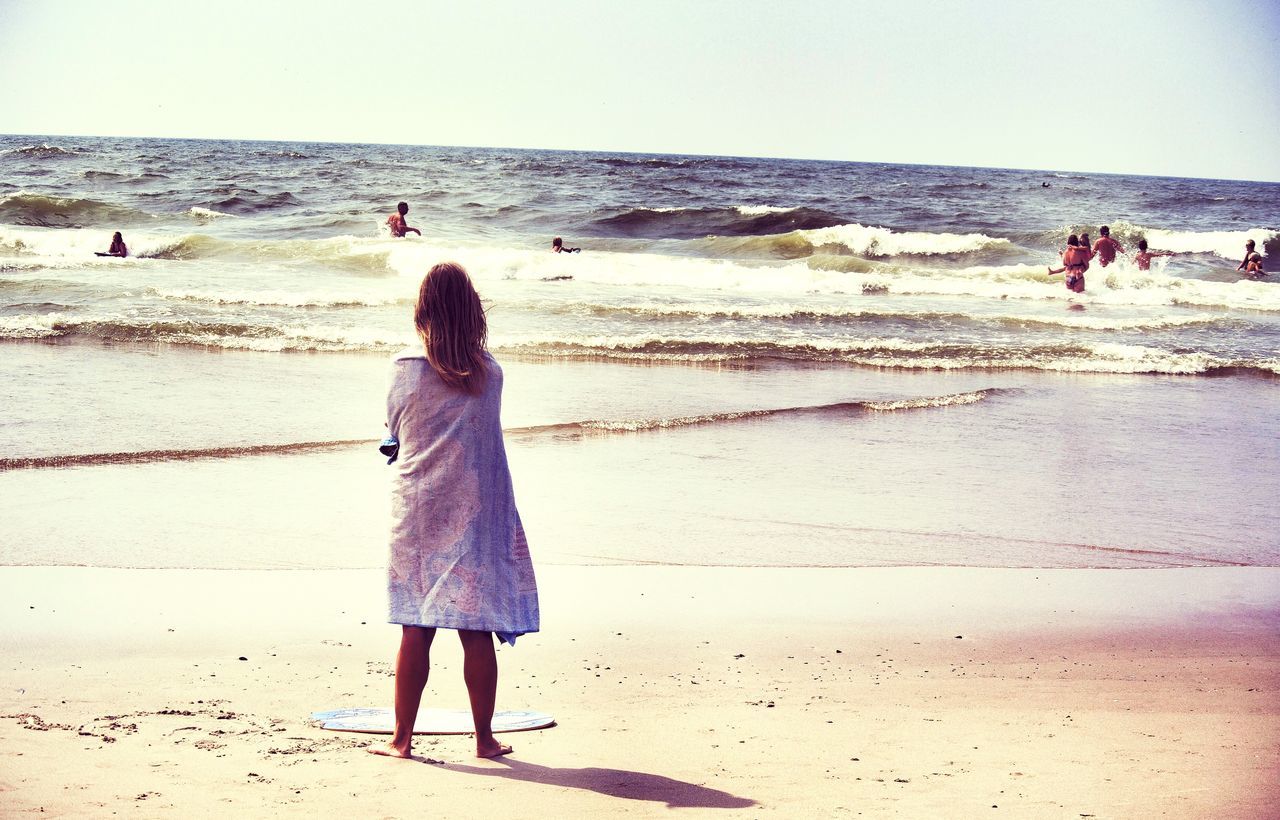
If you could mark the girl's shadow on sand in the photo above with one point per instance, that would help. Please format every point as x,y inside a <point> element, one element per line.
<point>677,794</point>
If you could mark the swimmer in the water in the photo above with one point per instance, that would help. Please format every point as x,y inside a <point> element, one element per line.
<point>557,246</point>
<point>1075,261</point>
<point>1106,248</point>
<point>397,224</point>
<point>118,248</point>
<point>1252,263</point>
<point>1144,256</point>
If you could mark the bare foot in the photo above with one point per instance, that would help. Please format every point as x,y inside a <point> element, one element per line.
<point>390,750</point>
<point>492,749</point>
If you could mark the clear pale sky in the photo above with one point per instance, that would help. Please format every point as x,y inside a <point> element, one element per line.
<point>1179,87</point>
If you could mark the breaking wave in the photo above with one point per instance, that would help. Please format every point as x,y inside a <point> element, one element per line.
<point>1104,357</point>
<point>692,223</point>
<point>557,430</point>
<point>146,456</point>
<point>246,202</point>
<point>23,208</point>
<point>203,215</point>
<point>828,316</point>
<point>42,151</point>
<point>845,408</point>
<point>880,242</point>
<point>228,335</point>
<point>883,352</point>
<point>277,298</point>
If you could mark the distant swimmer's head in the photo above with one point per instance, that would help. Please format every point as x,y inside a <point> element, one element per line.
<point>117,237</point>
<point>1142,245</point>
<point>1073,240</point>
<point>403,208</point>
<point>1105,231</point>
<point>450,320</point>
<point>1248,245</point>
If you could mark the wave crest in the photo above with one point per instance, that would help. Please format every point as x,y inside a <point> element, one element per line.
<point>23,208</point>
<point>1103,357</point>
<point>42,151</point>
<point>694,223</point>
<point>870,241</point>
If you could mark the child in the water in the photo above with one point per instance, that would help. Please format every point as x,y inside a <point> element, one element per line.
<point>1144,256</point>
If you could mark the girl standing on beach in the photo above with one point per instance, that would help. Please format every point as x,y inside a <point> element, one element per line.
<point>459,559</point>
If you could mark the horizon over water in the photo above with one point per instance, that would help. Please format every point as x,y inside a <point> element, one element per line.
<point>44,139</point>
<point>752,361</point>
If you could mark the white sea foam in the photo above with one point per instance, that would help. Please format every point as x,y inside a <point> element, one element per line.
<point>206,214</point>
<point>875,241</point>
<point>53,242</point>
<point>79,244</point>
<point>1226,244</point>
<point>1104,357</point>
<point>826,310</point>
<point>29,326</point>
<point>281,298</point>
<point>1118,285</point>
<point>931,401</point>
<point>760,210</point>
<point>43,149</point>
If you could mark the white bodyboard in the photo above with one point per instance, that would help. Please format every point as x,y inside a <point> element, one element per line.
<point>382,721</point>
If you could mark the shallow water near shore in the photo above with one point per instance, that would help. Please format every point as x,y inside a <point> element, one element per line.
<point>819,465</point>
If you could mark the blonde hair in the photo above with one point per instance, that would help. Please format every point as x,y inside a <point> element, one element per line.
<point>451,322</point>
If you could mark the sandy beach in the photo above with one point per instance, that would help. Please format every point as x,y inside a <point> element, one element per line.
<point>878,692</point>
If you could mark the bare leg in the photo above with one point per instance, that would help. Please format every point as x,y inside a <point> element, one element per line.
<point>413,665</point>
<point>480,671</point>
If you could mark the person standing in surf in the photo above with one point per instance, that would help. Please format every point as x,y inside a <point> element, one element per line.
<point>1106,248</point>
<point>1075,261</point>
<point>1252,263</point>
<point>458,554</point>
<point>396,222</point>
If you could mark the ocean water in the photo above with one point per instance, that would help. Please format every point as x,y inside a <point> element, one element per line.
<point>751,361</point>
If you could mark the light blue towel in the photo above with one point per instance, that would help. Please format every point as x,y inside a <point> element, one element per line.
<point>459,558</point>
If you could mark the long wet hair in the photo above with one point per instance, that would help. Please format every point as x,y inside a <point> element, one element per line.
<point>451,322</point>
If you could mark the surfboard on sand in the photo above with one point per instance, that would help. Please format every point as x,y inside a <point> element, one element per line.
<point>381,721</point>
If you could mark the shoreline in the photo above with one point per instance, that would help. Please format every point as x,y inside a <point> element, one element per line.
<point>907,692</point>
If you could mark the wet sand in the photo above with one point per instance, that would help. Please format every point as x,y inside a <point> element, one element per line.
<point>880,692</point>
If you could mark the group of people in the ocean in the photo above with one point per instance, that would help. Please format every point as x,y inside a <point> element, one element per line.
<point>396,223</point>
<point>1075,258</point>
<point>400,228</point>
<point>1080,252</point>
